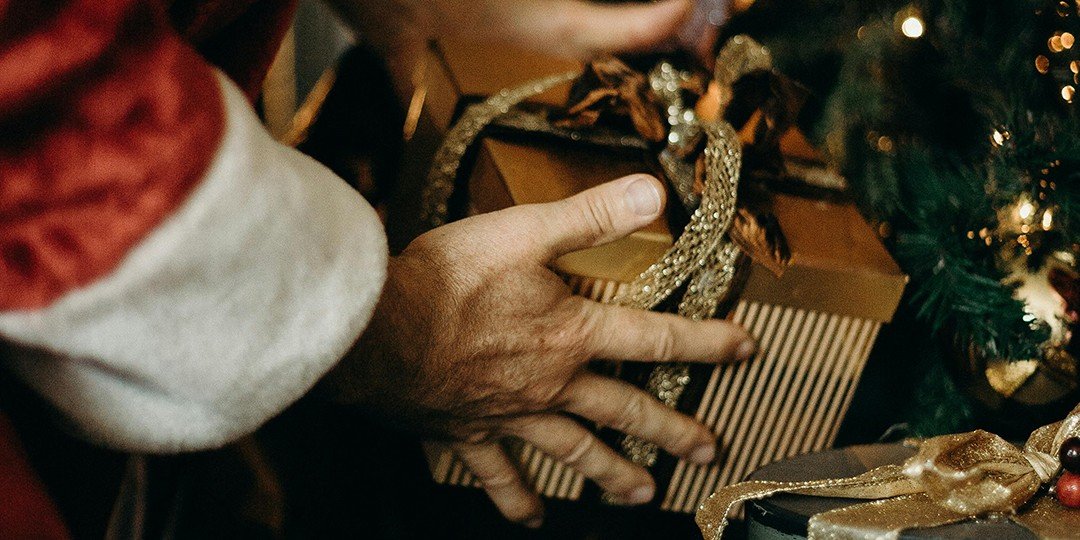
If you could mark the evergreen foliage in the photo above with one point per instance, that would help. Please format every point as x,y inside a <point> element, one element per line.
<point>910,119</point>
<point>941,136</point>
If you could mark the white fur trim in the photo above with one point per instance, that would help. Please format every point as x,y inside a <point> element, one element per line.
<point>225,314</point>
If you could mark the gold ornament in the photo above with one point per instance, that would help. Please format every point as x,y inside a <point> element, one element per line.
<point>1019,393</point>
<point>1051,295</point>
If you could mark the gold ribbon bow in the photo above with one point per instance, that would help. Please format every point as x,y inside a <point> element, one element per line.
<point>951,478</point>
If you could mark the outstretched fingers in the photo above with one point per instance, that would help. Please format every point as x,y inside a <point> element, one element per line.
<point>622,333</point>
<point>618,405</point>
<point>502,483</point>
<point>596,216</point>
<point>568,442</point>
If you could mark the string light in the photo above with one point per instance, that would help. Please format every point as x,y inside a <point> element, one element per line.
<point>1059,60</point>
<point>1055,44</point>
<point>1025,210</point>
<point>1000,136</point>
<point>885,144</point>
<point>1042,64</point>
<point>742,5</point>
<point>1031,215</point>
<point>912,27</point>
<point>884,229</point>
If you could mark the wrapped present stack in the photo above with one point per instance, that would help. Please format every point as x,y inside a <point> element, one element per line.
<point>796,265</point>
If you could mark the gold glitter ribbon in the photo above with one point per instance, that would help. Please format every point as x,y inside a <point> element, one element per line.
<point>704,257</point>
<point>952,478</point>
<point>703,254</point>
<point>447,160</point>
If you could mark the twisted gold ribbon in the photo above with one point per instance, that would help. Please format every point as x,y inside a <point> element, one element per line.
<point>703,254</point>
<point>447,160</point>
<point>952,478</point>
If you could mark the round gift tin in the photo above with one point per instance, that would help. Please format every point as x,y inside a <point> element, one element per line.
<point>785,517</point>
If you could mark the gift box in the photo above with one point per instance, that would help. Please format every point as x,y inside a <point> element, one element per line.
<point>815,316</point>
<point>787,516</point>
<point>960,485</point>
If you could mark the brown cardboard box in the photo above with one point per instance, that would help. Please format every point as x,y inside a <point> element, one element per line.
<point>439,95</point>
<point>816,320</point>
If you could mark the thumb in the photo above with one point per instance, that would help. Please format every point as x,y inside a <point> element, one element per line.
<point>582,29</point>
<point>595,216</point>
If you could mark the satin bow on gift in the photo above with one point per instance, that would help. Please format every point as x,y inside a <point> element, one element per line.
<point>952,478</point>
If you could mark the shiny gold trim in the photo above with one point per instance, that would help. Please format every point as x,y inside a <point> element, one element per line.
<point>447,161</point>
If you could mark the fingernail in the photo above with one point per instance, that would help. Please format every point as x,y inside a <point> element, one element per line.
<point>641,495</point>
<point>534,523</point>
<point>703,454</point>
<point>643,197</point>
<point>746,350</point>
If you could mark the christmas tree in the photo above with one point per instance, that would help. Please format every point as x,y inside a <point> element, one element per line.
<point>955,125</point>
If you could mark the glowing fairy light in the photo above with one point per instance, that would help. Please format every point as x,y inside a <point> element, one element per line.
<point>1000,136</point>
<point>1042,64</point>
<point>912,27</point>
<point>1025,210</point>
<point>1054,44</point>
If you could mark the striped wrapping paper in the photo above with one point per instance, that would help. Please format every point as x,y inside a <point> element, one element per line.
<point>788,400</point>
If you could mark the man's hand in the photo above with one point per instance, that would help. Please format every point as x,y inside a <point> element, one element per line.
<point>571,28</point>
<point>475,339</point>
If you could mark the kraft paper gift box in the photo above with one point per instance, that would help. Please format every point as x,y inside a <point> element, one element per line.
<point>816,320</point>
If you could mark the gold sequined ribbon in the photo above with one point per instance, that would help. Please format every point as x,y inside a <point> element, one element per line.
<point>703,254</point>
<point>703,259</point>
<point>951,478</point>
<point>447,160</point>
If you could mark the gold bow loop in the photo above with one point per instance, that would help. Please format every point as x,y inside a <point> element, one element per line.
<point>951,478</point>
<point>978,472</point>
